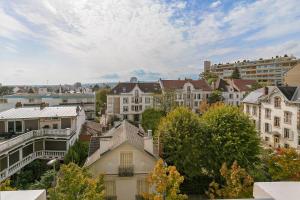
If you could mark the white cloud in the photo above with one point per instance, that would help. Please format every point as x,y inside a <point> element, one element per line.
<point>215,4</point>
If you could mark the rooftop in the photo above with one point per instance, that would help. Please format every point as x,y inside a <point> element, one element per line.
<point>178,84</point>
<point>146,87</point>
<point>23,195</point>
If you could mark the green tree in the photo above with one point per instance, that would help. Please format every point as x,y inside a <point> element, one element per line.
<point>165,101</point>
<point>166,180</point>
<point>101,98</point>
<point>215,96</point>
<point>209,76</point>
<point>77,153</point>
<point>6,186</point>
<point>236,74</point>
<point>45,182</point>
<point>285,165</point>
<point>237,183</point>
<point>177,132</point>
<point>151,118</point>
<point>75,183</point>
<point>5,90</point>
<point>229,135</point>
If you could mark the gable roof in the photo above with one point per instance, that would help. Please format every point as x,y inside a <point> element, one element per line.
<point>222,85</point>
<point>254,96</point>
<point>178,84</point>
<point>287,91</point>
<point>147,87</point>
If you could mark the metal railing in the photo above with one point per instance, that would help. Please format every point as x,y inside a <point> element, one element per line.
<point>126,171</point>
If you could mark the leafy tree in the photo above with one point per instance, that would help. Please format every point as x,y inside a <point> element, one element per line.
<point>165,101</point>
<point>45,182</point>
<point>101,98</point>
<point>215,96</point>
<point>237,183</point>
<point>203,107</point>
<point>151,118</point>
<point>236,74</point>
<point>177,132</point>
<point>229,135</point>
<point>166,180</point>
<point>75,183</point>
<point>77,153</point>
<point>6,186</point>
<point>285,165</point>
<point>5,90</point>
<point>209,76</point>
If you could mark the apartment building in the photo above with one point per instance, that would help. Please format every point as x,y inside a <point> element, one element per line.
<point>233,90</point>
<point>125,155</point>
<point>31,133</point>
<point>128,100</point>
<point>85,100</point>
<point>187,92</point>
<point>269,71</point>
<point>276,111</point>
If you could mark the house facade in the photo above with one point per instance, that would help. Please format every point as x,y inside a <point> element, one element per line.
<point>189,93</point>
<point>128,100</point>
<point>33,133</point>
<point>276,111</point>
<point>126,155</point>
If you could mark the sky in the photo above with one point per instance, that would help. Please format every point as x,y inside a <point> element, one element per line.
<point>90,41</point>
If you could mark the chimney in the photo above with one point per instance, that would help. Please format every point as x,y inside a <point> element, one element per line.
<point>266,90</point>
<point>18,105</point>
<point>43,105</point>
<point>148,142</point>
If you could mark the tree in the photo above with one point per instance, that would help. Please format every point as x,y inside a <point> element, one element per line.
<point>75,183</point>
<point>285,165</point>
<point>203,107</point>
<point>4,90</point>
<point>229,135</point>
<point>165,101</point>
<point>236,74</point>
<point>166,181</point>
<point>177,132</point>
<point>237,183</point>
<point>6,186</point>
<point>101,98</point>
<point>45,182</point>
<point>151,118</point>
<point>209,76</point>
<point>215,96</point>
<point>77,153</point>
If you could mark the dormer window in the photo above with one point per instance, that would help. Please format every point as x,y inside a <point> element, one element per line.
<point>277,102</point>
<point>188,88</point>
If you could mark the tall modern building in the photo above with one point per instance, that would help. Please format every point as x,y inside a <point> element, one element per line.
<point>269,71</point>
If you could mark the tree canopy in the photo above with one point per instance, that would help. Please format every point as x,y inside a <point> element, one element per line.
<point>215,96</point>
<point>77,153</point>
<point>101,98</point>
<point>151,118</point>
<point>236,74</point>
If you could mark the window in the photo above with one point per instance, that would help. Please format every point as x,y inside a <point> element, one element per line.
<point>237,96</point>
<point>188,88</point>
<point>11,127</point>
<point>287,117</point>
<point>110,188</point>
<point>268,113</point>
<point>125,108</point>
<point>276,121</point>
<point>196,103</point>
<point>286,146</point>
<point>142,186</point>
<point>248,109</point>
<point>199,96</point>
<point>55,126</point>
<point>276,139</point>
<point>126,159</point>
<point>267,139</point>
<point>254,110</point>
<point>136,93</point>
<point>179,96</point>
<point>286,133</point>
<point>125,100</point>
<point>125,117</point>
<point>230,96</point>
<point>267,128</point>
<point>147,100</point>
<point>277,102</point>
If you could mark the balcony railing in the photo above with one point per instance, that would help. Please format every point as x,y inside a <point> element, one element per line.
<point>126,171</point>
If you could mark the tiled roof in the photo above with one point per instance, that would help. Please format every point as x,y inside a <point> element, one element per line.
<point>37,112</point>
<point>243,85</point>
<point>147,87</point>
<point>178,84</point>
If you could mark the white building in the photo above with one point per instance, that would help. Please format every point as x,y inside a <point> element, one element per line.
<point>23,195</point>
<point>233,90</point>
<point>126,155</point>
<point>33,133</point>
<point>128,100</point>
<point>276,111</point>
<point>188,92</point>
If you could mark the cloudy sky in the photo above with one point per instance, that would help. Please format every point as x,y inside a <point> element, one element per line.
<point>63,41</point>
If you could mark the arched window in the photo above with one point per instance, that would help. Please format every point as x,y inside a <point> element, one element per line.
<point>277,102</point>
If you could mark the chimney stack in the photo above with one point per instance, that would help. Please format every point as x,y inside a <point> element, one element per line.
<point>266,90</point>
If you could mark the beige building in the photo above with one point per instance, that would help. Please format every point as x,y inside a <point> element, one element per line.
<point>270,71</point>
<point>126,155</point>
<point>128,100</point>
<point>292,77</point>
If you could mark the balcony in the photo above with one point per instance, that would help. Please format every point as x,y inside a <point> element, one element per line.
<point>126,171</point>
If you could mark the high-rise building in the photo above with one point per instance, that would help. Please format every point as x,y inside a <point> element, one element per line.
<point>207,65</point>
<point>269,71</point>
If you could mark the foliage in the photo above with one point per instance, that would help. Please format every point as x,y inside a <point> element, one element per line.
<point>165,101</point>
<point>238,183</point>
<point>235,74</point>
<point>203,107</point>
<point>209,76</point>
<point>177,132</point>
<point>258,85</point>
<point>285,165</point>
<point>75,183</point>
<point>215,96</point>
<point>151,118</point>
<point>229,135</point>
<point>5,90</point>
<point>77,153</point>
<point>6,186</point>
<point>45,182</point>
<point>166,180</point>
<point>101,98</point>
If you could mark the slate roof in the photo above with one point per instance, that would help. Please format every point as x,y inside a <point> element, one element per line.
<point>287,91</point>
<point>147,87</point>
<point>253,97</point>
<point>178,84</point>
